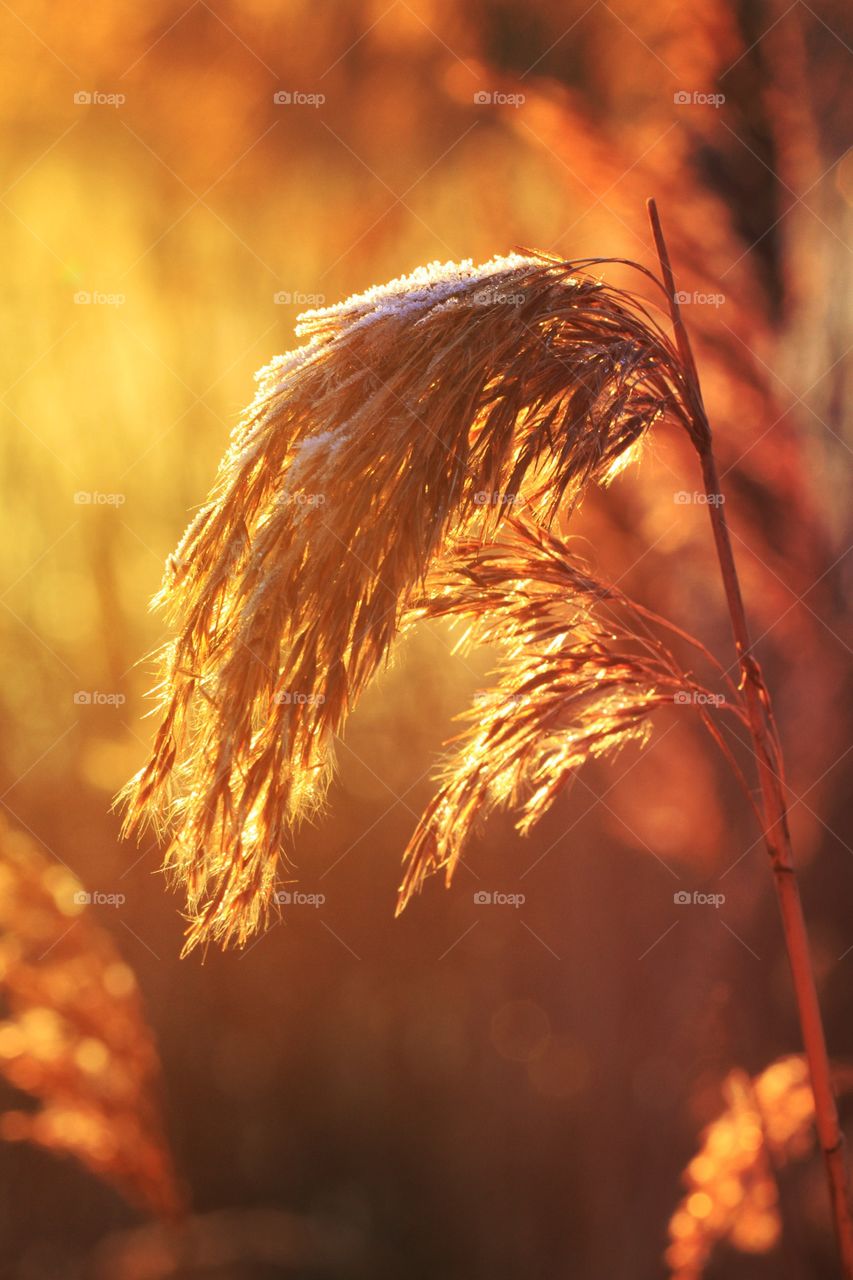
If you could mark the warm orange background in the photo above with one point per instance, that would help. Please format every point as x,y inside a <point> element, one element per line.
<point>465,1092</point>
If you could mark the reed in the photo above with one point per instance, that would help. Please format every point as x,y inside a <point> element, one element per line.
<point>583,669</point>
<point>767,750</point>
<point>411,458</point>
<point>418,409</point>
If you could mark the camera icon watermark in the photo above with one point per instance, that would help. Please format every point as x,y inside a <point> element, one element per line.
<point>302,499</point>
<point>682,499</point>
<point>497,298</point>
<point>94,98</point>
<point>295,898</point>
<point>82,898</point>
<point>696,98</point>
<point>698,698</point>
<point>93,498</point>
<point>496,98</point>
<point>89,298</point>
<point>696,899</point>
<point>495,498</point>
<point>95,698</point>
<point>494,898</point>
<point>486,700</point>
<point>292,698</point>
<point>697,298</point>
<point>296,98</point>
<point>286,298</point>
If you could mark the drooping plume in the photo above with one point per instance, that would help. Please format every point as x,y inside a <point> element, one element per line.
<point>580,673</point>
<point>434,403</point>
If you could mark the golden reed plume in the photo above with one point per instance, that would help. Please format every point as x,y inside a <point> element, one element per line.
<point>731,1188</point>
<point>419,408</point>
<point>581,671</point>
<point>75,1037</point>
<point>417,415</point>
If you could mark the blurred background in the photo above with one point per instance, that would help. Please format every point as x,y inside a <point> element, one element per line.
<point>472,1090</point>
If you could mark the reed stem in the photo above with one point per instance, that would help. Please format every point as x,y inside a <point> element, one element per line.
<point>773,800</point>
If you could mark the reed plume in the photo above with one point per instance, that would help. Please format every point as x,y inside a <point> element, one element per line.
<point>75,1036</point>
<point>582,671</point>
<point>732,1195</point>
<point>418,414</point>
<point>423,406</point>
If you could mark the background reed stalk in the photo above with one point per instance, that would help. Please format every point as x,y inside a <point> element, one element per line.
<point>773,807</point>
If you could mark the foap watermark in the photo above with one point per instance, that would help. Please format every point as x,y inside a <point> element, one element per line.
<point>697,298</point>
<point>290,697</point>
<point>296,98</point>
<point>684,499</point>
<point>489,699</point>
<point>696,98</point>
<point>93,498</point>
<point>296,898</point>
<point>98,899</point>
<point>495,898</point>
<point>697,899</point>
<point>96,698</point>
<point>93,298</point>
<point>286,298</point>
<point>498,298</point>
<point>497,98</point>
<point>302,499</point>
<point>495,498</point>
<point>95,98</point>
<point>698,698</point>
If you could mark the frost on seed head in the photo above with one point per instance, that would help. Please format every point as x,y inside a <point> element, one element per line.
<point>417,411</point>
<point>433,285</point>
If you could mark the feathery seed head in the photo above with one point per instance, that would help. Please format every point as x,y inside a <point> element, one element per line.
<point>577,680</point>
<point>433,404</point>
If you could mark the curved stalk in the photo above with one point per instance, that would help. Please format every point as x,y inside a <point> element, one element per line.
<point>773,799</point>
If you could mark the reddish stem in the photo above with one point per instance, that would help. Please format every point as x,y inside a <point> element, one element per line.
<point>773,800</point>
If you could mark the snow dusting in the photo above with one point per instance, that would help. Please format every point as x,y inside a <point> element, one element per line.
<point>426,287</point>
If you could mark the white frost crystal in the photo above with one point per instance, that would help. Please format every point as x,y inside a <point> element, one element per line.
<point>426,287</point>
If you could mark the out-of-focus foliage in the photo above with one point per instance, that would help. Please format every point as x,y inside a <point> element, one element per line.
<point>732,1192</point>
<point>76,1037</point>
